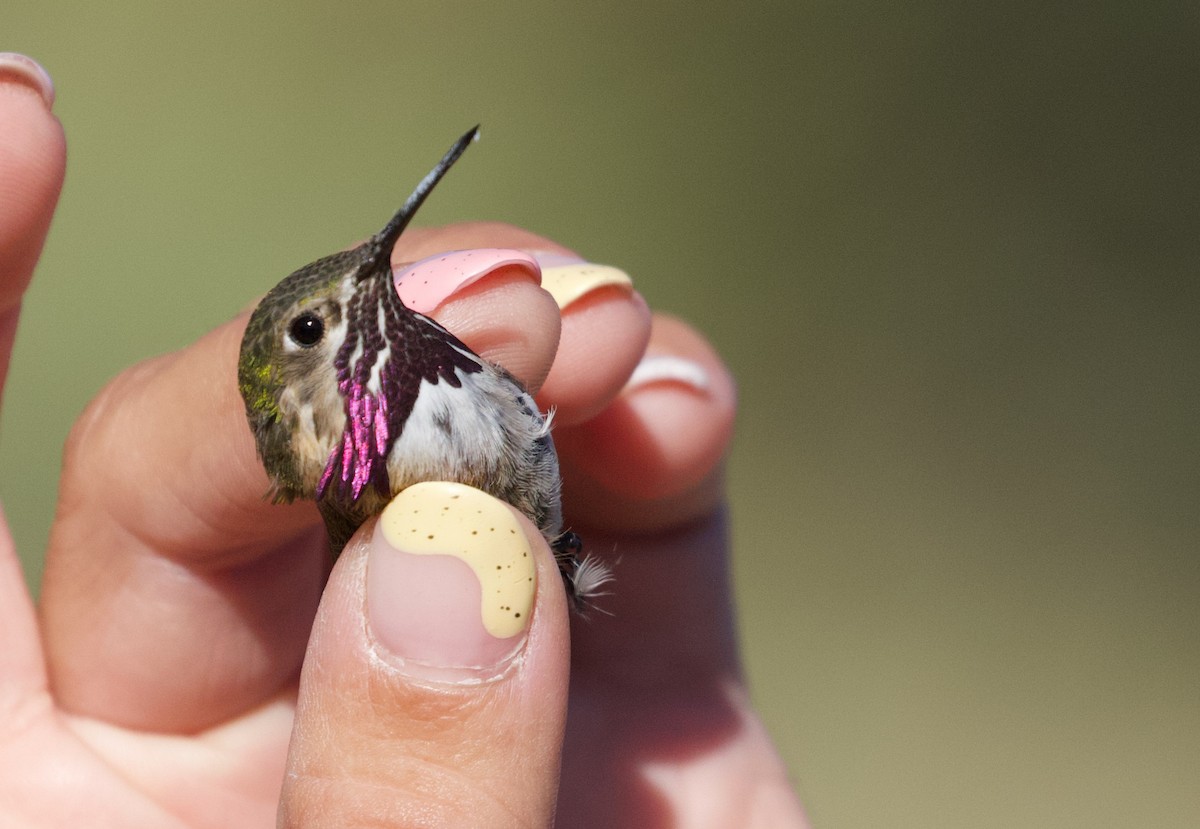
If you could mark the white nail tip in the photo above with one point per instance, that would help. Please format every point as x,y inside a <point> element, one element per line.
<point>29,70</point>
<point>551,259</point>
<point>668,369</point>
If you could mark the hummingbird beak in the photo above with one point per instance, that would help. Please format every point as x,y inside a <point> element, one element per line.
<point>379,247</point>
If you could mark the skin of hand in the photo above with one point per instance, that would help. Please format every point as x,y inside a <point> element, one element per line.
<point>195,662</point>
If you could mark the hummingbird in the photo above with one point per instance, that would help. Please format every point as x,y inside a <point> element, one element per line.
<point>352,396</point>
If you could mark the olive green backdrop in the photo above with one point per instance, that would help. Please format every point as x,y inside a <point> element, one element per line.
<point>949,250</point>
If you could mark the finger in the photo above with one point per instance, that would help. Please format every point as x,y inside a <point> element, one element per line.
<point>643,480</point>
<point>468,291</point>
<point>661,727</point>
<point>597,302</point>
<point>651,460</point>
<point>32,161</point>
<point>22,673</point>
<point>605,327</point>
<point>435,683</point>
<point>661,730</point>
<point>174,596</point>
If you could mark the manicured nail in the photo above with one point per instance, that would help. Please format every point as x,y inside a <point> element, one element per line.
<point>569,278</point>
<point>25,70</point>
<point>667,368</point>
<point>450,583</point>
<point>426,284</point>
<point>552,259</point>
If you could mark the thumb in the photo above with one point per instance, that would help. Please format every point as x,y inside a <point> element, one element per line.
<point>434,688</point>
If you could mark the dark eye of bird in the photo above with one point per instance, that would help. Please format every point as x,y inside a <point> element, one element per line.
<point>306,330</point>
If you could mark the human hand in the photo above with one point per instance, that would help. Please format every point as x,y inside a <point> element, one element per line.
<point>196,663</point>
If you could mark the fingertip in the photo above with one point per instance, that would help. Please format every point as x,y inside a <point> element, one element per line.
<point>32,165</point>
<point>23,70</point>
<point>504,317</point>
<point>411,693</point>
<point>654,455</point>
<point>509,321</point>
<point>604,335</point>
<point>451,581</point>
<point>424,285</point>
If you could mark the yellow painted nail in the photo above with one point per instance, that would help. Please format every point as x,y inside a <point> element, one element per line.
<point>567,283</point>
<point>451,519</point>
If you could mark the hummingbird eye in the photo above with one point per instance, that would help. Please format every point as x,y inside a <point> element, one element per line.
<point>306,330</point>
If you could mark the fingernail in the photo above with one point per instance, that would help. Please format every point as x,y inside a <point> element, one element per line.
<point>553,259</point>
<point>450,583</point>
<point>667,368</point>
<point>25,70</point>
<point>569,279</point>
<point>426,284</point>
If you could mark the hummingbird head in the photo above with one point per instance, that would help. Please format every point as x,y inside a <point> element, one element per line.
<point>325,359</point>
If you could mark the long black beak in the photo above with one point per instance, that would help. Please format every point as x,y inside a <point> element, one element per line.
<point>379,247</point>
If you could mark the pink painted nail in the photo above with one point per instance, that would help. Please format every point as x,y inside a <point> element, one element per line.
<point>426,284</point>
<point>25,70</point>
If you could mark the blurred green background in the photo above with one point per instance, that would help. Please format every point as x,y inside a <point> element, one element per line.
<point>949,250</point>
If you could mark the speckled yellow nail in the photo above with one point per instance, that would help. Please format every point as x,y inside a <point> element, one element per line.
<point>451,581</point>
<point>568,283</point>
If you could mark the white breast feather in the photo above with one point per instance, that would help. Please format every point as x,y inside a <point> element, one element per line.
<point>480,417</point>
